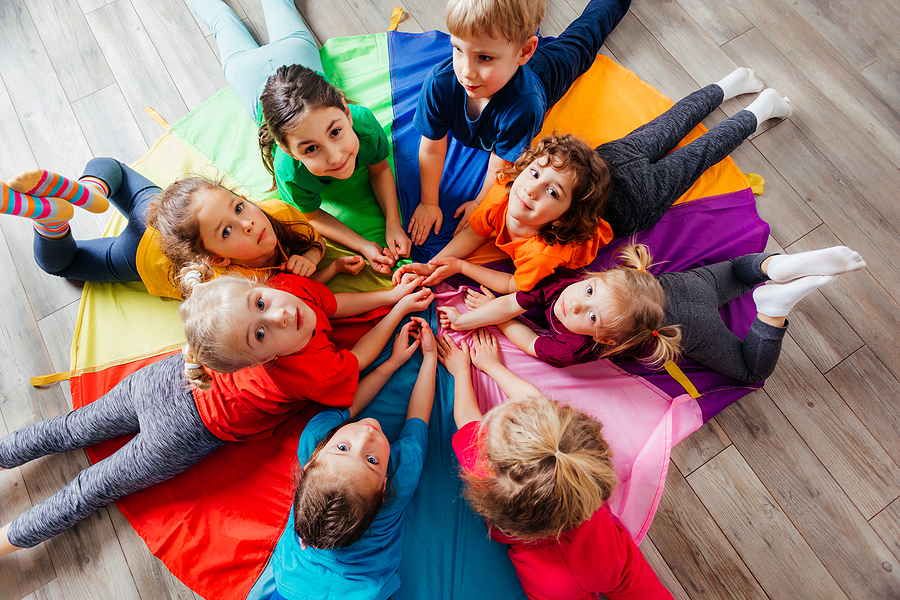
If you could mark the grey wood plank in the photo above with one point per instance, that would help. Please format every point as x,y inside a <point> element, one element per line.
<point>137,66</point>
<point>700,556</point>
<point>89,5</point>
<point>57,330</point>
<point>781,29</point>
<point>887,525</point>
<point>721,20</point>
<point>71,47</point>
<point>37,96</point>
<point>15,151</point>
<point>109,126</point>
<point>871,391</point>
<point>376,14</point>
<point>558,16</point>
<point>702,445</point>
<point>767,541</point>
<point>816,505</point>
<point>184,52</point>
<point>429,14</point>
<point>51,591</point>
<point>883,75</point>
<point>662,570</point>
<point>326,19</point>
<point>233,4</point>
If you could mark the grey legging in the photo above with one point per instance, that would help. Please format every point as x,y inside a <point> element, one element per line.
<point>156,403</point>
<point>693,299</point>
<point>646,179</point>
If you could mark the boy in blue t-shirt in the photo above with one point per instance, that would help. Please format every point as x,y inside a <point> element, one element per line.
<point>494,91</point>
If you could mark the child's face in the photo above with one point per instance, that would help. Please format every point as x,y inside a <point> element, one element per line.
<point>361,451</point>
<point>485,64</point>
<point>233,229</point>
<point>540,194</point>
<point>272,323</point>
<point>324,141</point>
<point>584,307</point>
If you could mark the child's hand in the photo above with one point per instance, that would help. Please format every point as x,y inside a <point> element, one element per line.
<point>349,264</point>
<point>485,351</point>
<point>298,265</point>
<point>405,287</point>
<point>474,298</point>
<point>420,224</point>
<point>405,344</point>
<point>413,268</point>
<point>415,302</point>
<point>448,317</point>
<point>398,244</point>
<point>443,268</point>
<point>465,209</point>
<point>425,336</point>
<point>454,358</point>
<point>376,257</point>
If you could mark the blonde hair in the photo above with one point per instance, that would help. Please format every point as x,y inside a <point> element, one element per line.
<point>212,339</point>
<point>640,304</point>
<point>514,20</point>
<point>543,468</point>
<point>329,510</point>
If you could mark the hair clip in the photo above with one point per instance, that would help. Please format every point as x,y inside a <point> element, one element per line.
<point>193,277</point>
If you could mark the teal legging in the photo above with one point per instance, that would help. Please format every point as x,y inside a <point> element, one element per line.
<point>246,64</point>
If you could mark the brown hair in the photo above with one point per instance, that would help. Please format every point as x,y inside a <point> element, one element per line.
<point>289,95</point>
<point>514,20</point>
<point>212,339</point>
<point>590,186</point>
<point>174,215</point>
<point>543,468</point>
<point>640,307</point>
<point>329,510</point>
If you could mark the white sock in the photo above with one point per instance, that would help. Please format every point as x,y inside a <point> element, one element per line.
<point>777,300</point>
<point>828,261</point>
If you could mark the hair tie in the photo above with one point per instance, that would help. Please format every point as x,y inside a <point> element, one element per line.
<point>641,268</point>
<point>556,454</point>
<point>654,333</point>
<point>191,365</point>
<point>193,277</point>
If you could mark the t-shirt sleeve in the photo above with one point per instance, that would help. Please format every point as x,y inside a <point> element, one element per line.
<point>374,146</point>
<point>317,428</point>
<point>484,216</point>
<point>339,378</point>
<point>306,289</point>
<point>565,350</point>
<point>429,120</point>
<point>290,177</point>
<point>518,126</point>
<point>409,455</point>
<point>465,445</point>
<point>532,266</point>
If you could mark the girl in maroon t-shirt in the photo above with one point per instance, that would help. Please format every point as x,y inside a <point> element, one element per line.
<point>539,472</point>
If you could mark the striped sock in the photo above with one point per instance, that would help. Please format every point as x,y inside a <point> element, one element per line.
<point>51,185</point>
<point>50,216</point>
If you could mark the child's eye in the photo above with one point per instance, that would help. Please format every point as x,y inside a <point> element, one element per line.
<point>372,460</point>
<point>226,232</point>
<point>310,149</point>
<point>484,58</point>
<point>335,132</point>
<point>343,447</point>
<point>239,208</point>
<point>589,290</point>
<point>552,193</point>
<point>534,173</point>
<point>260,303</point>
<point>592,317</point>
<point>260,334</point>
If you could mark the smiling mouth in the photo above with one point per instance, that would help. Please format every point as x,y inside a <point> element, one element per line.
<point>297,319</point>
<point>342,167</point>
<point>262,235</point>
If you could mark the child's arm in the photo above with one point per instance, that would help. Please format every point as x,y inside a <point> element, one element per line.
<point>495,164</point>
<point>385,188</point>
<point>431,167</point>
<point>486,357</point>
<point>334,230</point>
<point>422,398</point>
<point>462,245</point>
<point>343,264</point>
<point>521,335</point>
<point>350,304</point>
<point>369,346</point>
<point>456,360</point>
<point>502,283</point>
<point>498,310</point>
<point>372,383</point>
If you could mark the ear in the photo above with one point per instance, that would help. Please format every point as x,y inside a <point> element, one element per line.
<point>218,261</point>
<point>528,50</point>
<point>605,341</point>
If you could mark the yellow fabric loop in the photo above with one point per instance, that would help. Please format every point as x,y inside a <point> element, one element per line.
<point>679,376</point>
<point>757,183</point>
<point>48,379</point>
<point>395,18</point>
<point>156,117</point>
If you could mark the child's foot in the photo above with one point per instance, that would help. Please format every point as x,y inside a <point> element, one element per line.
<point>50,215</point>
<point>769,105</point>
<point>777,300</point>
<point>828,261</point>
<point>740,81</point>
<point>89,194</point>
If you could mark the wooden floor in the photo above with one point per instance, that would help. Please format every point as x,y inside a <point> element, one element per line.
<point>790,493</point>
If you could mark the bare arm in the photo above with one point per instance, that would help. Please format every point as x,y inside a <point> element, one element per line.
<point>355,303</point>
<point>498,310</point>
<point>486,357</point>
<point>371,384</point>
<point>422,398</point>
<point>521,335</point>
<point>369,346</point>
<point>456,360</point>
<point>431,167</point>
<point>336,231</point>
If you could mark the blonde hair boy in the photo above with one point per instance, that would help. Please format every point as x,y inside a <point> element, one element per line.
<point>516,21</point>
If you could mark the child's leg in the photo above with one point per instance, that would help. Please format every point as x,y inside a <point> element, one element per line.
<point>50,215</point>
<point>103,259</point>
<point>290,40</point>
<point>560,62</point>
<point>172,438</point>
<point>827,261</point>
<point>40,182</point>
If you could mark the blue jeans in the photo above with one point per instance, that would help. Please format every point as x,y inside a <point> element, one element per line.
<point>247,65</point>
<point>103,260</point>
<point>561,61</point>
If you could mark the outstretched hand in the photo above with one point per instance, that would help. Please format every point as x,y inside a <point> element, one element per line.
<point>381,262</point>
<point>448,317</point>
<point>465,209</point>
<point>423,219</point>
<point>349,264</point>
<point>454,358</point>
<point>405,343</point>
<point>414,269</point>
<point>475,298</point>
<point>485,350</point>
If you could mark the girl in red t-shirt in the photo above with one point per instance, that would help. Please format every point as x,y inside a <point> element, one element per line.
<point>539,472</point>
<point>270,351</point>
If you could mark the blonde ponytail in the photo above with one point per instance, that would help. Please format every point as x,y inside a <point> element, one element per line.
<point>194,371</point>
